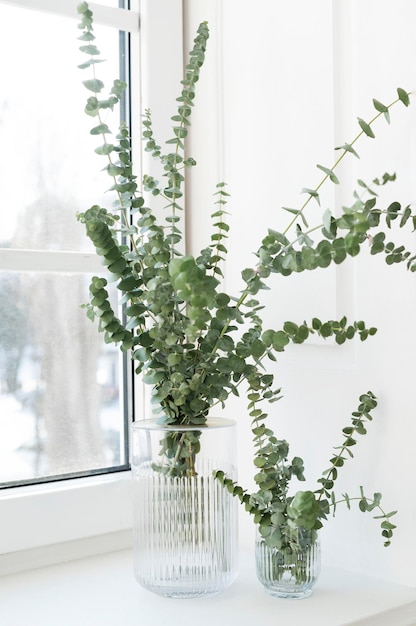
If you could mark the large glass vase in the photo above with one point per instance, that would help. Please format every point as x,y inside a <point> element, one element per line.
<point>185,521</point>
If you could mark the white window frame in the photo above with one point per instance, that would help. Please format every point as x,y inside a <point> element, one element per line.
<point>51,522</point>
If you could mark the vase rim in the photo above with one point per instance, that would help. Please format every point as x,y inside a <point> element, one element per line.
<point>211,423</point>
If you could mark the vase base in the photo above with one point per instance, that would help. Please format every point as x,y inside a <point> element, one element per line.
<point>185,591</point>
<point>289,595</point>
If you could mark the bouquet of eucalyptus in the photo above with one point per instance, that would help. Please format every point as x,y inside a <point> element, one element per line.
<point>191,341</point>
<point>282,517</point>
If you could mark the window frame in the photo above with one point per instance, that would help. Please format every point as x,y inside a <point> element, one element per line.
<point>50,522</point>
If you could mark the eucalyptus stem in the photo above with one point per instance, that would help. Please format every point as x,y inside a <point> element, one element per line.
<point>366,129</point>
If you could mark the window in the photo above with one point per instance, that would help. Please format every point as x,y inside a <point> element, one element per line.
<point>63,403</point>
<point>92,513</point>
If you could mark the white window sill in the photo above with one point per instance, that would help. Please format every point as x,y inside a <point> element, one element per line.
<point>41,523</point>
<point>101,591</point>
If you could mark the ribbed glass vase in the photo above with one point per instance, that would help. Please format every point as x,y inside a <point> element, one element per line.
<point>289,572</point>
<point>185,521</point>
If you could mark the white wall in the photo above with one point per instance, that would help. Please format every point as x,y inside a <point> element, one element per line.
<point>284,83</point>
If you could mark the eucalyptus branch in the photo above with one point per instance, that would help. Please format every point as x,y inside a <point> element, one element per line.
<point>368,504</point>
<point>94,107</point>
<point>273,509</point>
<point>348,148</point>
<point>341,330</point>
<point>108,321</point>
<point>222,227</point>
<point>368,402</point>
<point>326,495</point>
<point>98,222</point>
<point>329,225</point>
<point>181,121</point>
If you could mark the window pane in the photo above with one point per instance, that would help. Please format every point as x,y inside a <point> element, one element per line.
<point>47,155</point>
<point>62,393</point>
<point>61,407</point>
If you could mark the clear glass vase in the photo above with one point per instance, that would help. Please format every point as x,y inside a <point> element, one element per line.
<point>185,521</point>
<point>289,572</point>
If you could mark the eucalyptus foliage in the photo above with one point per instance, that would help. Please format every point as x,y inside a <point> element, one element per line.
<point>191,341</point>
<point>280,515</point>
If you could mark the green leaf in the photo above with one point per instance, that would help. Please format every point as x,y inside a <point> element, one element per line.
<point>316,323</point>
<point>365,186</point>
<point>280,341</point>
<point>298,213</point>
<point>82,7</point>
<point>403,96</point>
<point>366,128</point>
<point>302,334</point>
<point>326,220</point>
<point>348,148</point>
<point>88,63</point>
<point>313,193</point>
<point>93,84</point>
<point>106,148</point>
<point>86,36</point>
<point>386,178</point>
<point>174,359</point>
<point>118,266</point>
<point>90,49</point>
<point>329,173</point>
<point>324,251</point>
<point>381,108</point>
<point>303,238</point>
<point>392,212</point>
<point>101,129</point>
<point>378,243</point>
<point>308,259</point>
<point>114,170</point>
<point>406,214</point>
<point>257,348</point>
<point>290,328</point>
<point>118,88</point>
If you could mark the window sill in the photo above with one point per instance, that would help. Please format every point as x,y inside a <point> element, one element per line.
<point>50,523</point>
<point>101,590</point>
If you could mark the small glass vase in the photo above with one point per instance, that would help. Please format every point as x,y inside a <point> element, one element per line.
<point>289,572</point>
<point>185,521</point>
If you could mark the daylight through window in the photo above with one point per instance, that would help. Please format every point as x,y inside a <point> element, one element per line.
<point>62,389</point>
